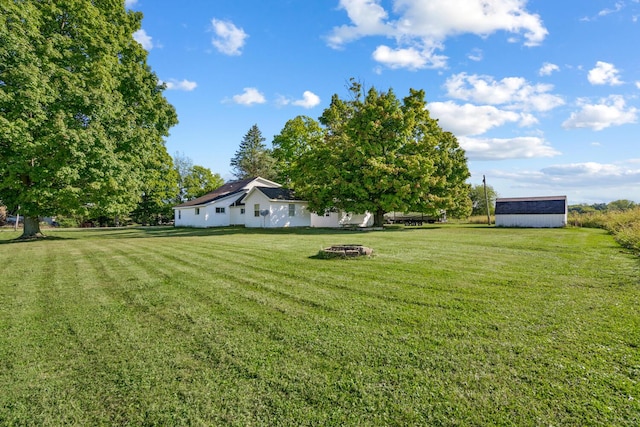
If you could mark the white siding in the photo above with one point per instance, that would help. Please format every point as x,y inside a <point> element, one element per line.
<point>208,217</point>
<point>278,212</point>
<point>535,221</point>
<point>342,219</point>
<point>235,215</point>
<point>325,221</point>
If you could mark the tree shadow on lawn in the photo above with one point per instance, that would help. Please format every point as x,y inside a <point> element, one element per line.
<point>145,232</point>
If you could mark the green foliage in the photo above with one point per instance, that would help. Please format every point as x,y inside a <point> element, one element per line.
<point>200,181</point>
<point>381,155</point>
<point>160,190</point>
<point>297,137</point>
<point>81,114</point>
<point>454,326</point>
<point>621,205</point>
<point>253,159</point>
<point>479,200</point>
<point>193,180</point>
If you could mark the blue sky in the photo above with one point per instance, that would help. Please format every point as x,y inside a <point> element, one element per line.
<point>544,95</point>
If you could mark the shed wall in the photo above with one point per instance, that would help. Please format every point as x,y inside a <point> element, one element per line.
<point>534,221</point>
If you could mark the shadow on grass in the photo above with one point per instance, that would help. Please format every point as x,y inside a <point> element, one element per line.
<point>140,232</point>
<point>42,238</point>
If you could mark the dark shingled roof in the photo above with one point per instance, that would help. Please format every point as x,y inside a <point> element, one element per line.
<point>278,193</point>
<point>224,191</point>
<point>531,205</point>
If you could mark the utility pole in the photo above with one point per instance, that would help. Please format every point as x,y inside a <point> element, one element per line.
<point>486,199</point>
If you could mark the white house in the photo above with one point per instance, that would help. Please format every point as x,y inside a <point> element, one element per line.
<point>259,203</point>
<point>219,208</point>
<point>270,207</point>
<point>538,212</point>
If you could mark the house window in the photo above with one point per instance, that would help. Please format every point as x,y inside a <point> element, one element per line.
<point>220,210</point>
<point>179,214</point>
<point>241,211</point>
<point>256,209</point>
<point>292,209</point>
<point>197,211</point>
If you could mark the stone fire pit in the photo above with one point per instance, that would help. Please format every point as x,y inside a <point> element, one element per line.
<point>346,251</point>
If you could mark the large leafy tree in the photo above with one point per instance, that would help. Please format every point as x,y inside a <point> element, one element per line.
<point>253,158</point>
<point>297,137</point>
<point>381,154</point>
<point>82,116</point>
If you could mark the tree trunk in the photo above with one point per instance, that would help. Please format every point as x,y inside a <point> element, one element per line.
<point>31,228</point>
<point>378,218</point>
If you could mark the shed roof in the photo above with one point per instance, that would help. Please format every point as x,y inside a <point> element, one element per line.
<point>531,205</point>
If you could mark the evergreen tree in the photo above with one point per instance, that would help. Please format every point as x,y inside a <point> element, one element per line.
<point>253,158</point>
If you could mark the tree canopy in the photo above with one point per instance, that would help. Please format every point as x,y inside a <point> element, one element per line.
<point>479,201</point>
<point>380,154</point>
<point>193,180</point>
<point>82,116</point>
<point>297,137</point>
<point>253,158</point>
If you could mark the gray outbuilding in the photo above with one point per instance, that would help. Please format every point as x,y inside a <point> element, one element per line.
<point>537,212</point>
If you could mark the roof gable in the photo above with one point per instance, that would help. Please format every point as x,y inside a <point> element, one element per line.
<point>531,205</point>
<point>274,194</point>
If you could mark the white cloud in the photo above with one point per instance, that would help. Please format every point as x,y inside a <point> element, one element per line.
<point>184,85</point>
<point>410,58</point>
<point>420,27</point>
<point>506,148</point>
<point>611,111</point>
<point>250,96</point>
<point>468,119</point>
<point>588,174</point>
<point>309,100</point>
<point>548,68</point>
<point>228,38</point>
<point>475,55</point>
<point>617,8</point>
<point>130,3</point>
<point>638,84</point>
<point>144,39</point>
<point>588,182</point>
<point>515,92</point>
<point>604,74</point>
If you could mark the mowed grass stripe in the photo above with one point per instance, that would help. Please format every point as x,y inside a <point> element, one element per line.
<point>174,335</point>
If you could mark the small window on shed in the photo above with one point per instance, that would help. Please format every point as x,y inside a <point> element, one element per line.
<point>179,214</point>
<point>197,211</point>
<point>220,210</point>
<point>256,209</point>
<point>241,211</point>
<point>292,209</point>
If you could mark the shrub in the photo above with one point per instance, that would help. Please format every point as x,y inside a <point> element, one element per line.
<point>624,225</point>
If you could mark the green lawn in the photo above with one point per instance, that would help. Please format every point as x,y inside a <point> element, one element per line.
<point>451,325</point>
